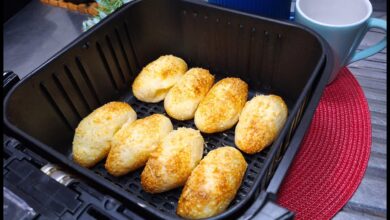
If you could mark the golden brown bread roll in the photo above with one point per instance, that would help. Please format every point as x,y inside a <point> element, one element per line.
<point>132,144</point>
<point>213,184</point>
<point>260,122</point>
<point>221,107</point>
<point>171,163</point>
<point>155,80</point>
<point>184,97</point>
<point>92,138</point>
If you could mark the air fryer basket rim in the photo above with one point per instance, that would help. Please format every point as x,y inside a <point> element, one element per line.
<point>86,172</point>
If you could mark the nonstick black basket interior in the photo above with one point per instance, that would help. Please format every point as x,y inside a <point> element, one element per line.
<point>271,56</point>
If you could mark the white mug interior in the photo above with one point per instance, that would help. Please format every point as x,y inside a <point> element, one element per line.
<point>335,12</point>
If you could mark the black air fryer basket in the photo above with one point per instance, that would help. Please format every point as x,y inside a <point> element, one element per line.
<point>272,56</point>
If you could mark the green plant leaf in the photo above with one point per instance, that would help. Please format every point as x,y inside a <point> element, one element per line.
<point>105,7</point>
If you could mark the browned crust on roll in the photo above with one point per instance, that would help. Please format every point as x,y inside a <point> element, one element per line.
<point>213,184</point>
<point>260,122</point>
<point>221,107</point>
<point>91,142</point>
<point>157,78</point>
<point>132,145</point>
<point>172,162</point>
<point>183,99</point>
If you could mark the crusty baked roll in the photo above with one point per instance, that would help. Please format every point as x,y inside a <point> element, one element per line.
<point>91,142</point>
<point>185,96</point>
<point>222,106</point>
<point>132,144</point>
<point>155,80</point>
<point>213,184</point>
<point>172,162</point>
<point>260,122</point>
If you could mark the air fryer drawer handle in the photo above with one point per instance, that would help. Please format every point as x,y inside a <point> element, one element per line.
<point>9,80</point>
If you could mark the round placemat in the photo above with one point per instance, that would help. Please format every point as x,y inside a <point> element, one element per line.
<point>334,154</point>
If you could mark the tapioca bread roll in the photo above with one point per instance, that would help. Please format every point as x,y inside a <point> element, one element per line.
<point>157,78</point>
<point>132,145</point>
<point>172,162</point>
<point>183,99</point>
<point>213,184</point>
<point>93,134</point>
<point>222,106</point>
<point>260,123</point>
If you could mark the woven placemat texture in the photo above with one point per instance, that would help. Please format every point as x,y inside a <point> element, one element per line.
<point>334,154</point>
<point>82,8</point>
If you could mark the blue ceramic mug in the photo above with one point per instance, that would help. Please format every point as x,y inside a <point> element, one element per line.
<point>343,24</point>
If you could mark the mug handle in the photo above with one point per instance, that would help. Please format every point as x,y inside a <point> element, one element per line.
<point>372,23</point>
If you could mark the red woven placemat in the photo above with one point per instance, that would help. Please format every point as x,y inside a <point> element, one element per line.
<point>334,154</point>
